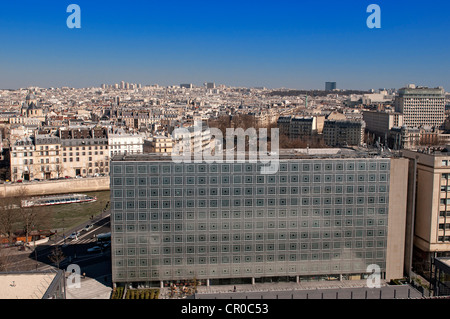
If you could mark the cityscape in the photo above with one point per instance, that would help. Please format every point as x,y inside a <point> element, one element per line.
<point>201,190</point>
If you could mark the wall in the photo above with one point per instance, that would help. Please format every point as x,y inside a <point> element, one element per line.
<point>397,219</point>
<point>72,185</point>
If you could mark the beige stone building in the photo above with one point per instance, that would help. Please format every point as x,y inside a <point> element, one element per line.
<point>85,151</point>
<point>21,159</point>
<point>159,144</point>
<point>35,157</point>
<point>429,206</point>
<point>382,122</point>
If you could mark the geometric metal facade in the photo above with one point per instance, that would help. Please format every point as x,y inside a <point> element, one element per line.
<point>179,221</point>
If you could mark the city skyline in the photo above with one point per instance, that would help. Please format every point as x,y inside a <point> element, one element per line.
<point>299,46</point>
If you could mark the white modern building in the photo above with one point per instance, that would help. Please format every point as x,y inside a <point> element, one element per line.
<point>200,139</point>
<point>125,143</point>
<point>421,106</point>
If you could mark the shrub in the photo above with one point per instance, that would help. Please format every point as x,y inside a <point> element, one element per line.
<point>117,293</point>
<point>146,294</point>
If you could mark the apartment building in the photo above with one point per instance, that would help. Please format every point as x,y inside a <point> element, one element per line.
<point>21,159</point>
<point>283,124</point>
<point>404,137</point>
<point>85,151</point>
<point>343,132</point>
<point>381,123</point>
<point>125,143</point>
<point>429,205</point>
<point>159,144</point>
<point>47,156</point>
<point>301,127</point>
<point>316,217</point>
<point>197,138</point>
<point>297,127</point>
<point>421,106</point>
<point>35,157</point>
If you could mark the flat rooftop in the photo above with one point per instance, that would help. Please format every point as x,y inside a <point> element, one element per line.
<point>430,151</point>
<point>25,285</point>
<point>284,154</point>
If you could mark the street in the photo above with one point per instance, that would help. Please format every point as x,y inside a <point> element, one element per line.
<point>96,264</point>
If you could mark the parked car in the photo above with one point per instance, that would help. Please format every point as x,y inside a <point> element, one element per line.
<point>94,249</point>
<point>88,227</point>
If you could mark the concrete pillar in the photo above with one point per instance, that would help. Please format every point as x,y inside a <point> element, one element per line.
<point>207,282</point>
<point>253,280</point>
<point>161,284</point>
<point>297,279</point>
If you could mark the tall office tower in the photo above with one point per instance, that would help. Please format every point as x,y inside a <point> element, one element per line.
<point>210,85</point>
<point>421,106</point>
<point>428,207</point>
<point>330,86</point>
<point>227,222</point>
<point>122,84</point>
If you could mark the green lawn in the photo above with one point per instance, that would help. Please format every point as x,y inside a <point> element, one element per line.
<point>66,216</point>
<point>70,215</point>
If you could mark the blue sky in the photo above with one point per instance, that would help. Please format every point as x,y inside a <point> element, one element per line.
<point>294,44</point>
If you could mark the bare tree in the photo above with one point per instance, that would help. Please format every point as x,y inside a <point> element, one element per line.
<point>222,123</point>
<point>29,217</point>
<point>8,216</point>
<point>5,259</point>
<point>56,256</point>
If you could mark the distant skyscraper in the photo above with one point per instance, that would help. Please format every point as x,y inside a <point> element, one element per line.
<point>210,85</point>
<point>330,86</point>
